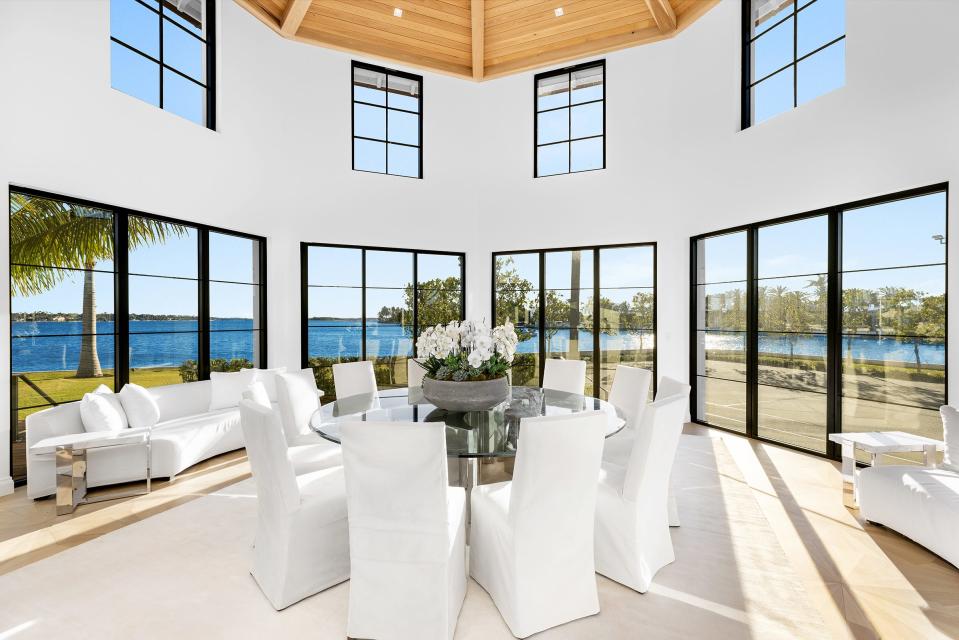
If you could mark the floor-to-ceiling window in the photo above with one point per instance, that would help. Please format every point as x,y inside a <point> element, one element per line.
<point>366,303</point>
<point>719,326</point>
<point>824,322</point>
<point>105,295</point>
<point>561,299</point>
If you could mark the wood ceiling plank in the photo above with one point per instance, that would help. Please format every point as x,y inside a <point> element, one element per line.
<point>383,51</point>
<point>415,21</point>
<point>495,11</point>
<point>391,25</point>
<point>663,14</point>
<point>539,14</point>
<point>694,11</point>
<point>478,11</point>
<point>434,9</point>
<point>273,7</point>
<point>600,29</point>
<point>626,12</point>
<point>564,41</point>
<point>260,13</point>
<point>575,51</point>
<point>378,37</point>
<point>293,16</point>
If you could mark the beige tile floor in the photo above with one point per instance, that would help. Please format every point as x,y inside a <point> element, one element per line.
<point>865,581</point>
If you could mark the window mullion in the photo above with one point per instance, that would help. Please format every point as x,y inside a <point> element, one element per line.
<point>121,325</point>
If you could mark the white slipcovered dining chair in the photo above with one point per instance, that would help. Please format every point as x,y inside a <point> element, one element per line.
<point>299,399</point>
<point>619,447</point>
<point>414,372</point>
<point>632,520</point>
<point>531,539</point>
<point>302,540</point>
<point>407,532</point>
<point>354,378</point>
<point>565,375</point>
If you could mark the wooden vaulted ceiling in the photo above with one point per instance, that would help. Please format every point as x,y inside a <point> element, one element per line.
<point>477,39</point>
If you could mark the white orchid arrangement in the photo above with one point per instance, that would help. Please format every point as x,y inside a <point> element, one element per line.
<point>468,350</point>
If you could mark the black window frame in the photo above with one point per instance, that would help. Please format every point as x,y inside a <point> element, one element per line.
<point>597,288</point>
<point>209,44</point>
<point>567,71</point>
<point>121,365</point>
<point>414,254</point>
<point>386,142</point>
<point>834,312</point>
<point>748,39</point>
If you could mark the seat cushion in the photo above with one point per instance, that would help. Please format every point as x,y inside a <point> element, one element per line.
<point>314,453</point>
<point>323,493</point>
<point>619,447</point>
<point>921,503</point>
<point>182,442</point>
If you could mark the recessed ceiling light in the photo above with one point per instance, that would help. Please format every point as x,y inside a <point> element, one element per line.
<point>397,12</point>
<point>558,11</point>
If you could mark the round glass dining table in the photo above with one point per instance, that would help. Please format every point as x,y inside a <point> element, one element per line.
<point>474,434</point>
<point>469,436</point>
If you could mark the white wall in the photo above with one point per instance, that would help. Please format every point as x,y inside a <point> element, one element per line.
<point>279,164</point>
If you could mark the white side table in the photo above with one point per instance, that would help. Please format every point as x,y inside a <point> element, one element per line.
<point>876,443</point>
<point>71,458</point>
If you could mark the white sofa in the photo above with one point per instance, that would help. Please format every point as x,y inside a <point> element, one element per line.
<point>921,503</point>
<point>187,433</point>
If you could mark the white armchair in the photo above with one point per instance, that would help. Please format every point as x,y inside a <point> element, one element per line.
<point>407,532</point>
<point>354,378</point>
<point>565,375</point>
<point>531,539</point>
<point>302,540</point>
<point>632,516</point>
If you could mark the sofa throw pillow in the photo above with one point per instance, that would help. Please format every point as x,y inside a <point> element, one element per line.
<point>950,433</point>
<point>226,389</point>
<point>102,411</point>
<point>298,399</point>
<point>140,406</point>
<point>256,392</point>
<point>268,378</point>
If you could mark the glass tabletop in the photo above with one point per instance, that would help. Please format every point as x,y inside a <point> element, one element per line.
<point>474,434</point>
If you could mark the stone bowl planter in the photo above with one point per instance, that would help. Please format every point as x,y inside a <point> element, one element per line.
<point>480,395</point>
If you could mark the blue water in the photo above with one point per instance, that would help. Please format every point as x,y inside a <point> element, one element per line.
<point>151,344</point>
<point>55,346</point>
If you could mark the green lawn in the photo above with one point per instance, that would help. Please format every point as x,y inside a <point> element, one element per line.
<point>64,386</point>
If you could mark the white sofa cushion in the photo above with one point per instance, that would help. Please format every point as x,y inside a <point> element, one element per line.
<point>298,400</point>
<point>922,503</point>
<point>256,393</point>
<point>268,378</point>
<point>228,388</point>
<point>102,411</point>
<point>141,408</point>
<point>950,433</point>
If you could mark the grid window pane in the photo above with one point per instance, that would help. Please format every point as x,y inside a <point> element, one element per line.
<point>586,155</point>
<point>234,306</point>
<point>335,266</point>
<point>234,350</point>
<point>160,248</point>
<point>552,159</point>
<point>822,22</point>
<point>184,97</point>
<point>403,161</point>
<point>184,52</point>
<point>773,50</point>
<point>135,25</point>
<point>901,233</point>
<point>163,304</point>
<point>773,95</point>
<point>565,118</point>
<point>369,155</point>
<point>134,74</point>
<point>821,72</point>
<point>234,258</point>
<point>395,124</point>
<point>163,358</point>
<point>765,14</point>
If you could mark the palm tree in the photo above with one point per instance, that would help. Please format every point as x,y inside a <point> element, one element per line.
<point>47,232</point>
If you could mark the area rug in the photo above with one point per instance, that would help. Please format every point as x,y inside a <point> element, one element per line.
<point>183,573</point>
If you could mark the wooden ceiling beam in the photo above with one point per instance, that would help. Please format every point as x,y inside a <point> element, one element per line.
<point>663,14</point>
<point>478,13</point>
<point>293,16</point>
